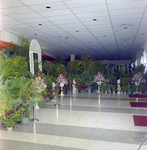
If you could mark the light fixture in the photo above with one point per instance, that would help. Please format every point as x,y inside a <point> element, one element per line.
<point>125,39</point>
<point>40,24</point>
<point>48,7</point>
<point>94,19</point>
<point>126,25</point>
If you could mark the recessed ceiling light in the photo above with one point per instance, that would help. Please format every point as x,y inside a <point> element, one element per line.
<point>40,24</point>
<point>126,25</point>
<point>48,7</point>
<point>35,34</point>
<point>77,31</point>
<point>104,36</point>
<point>143,33</point>
<point>94,19</point>
<point>125,39</point>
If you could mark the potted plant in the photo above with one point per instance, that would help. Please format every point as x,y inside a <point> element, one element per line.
<point>9,120</point>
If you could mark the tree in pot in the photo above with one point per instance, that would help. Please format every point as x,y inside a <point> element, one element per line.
<point>10,120</point>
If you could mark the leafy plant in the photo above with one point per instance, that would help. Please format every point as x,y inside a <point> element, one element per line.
<point>10,120</point>
<point>21,49</point>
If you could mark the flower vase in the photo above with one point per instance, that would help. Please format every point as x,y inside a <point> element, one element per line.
<point>62,85</point>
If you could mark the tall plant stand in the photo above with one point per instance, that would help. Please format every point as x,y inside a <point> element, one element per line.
<point>57,104</point>
<point>62,85</point>
<point>137,85</point>
<point>99,83</point>
<point>71,90</point>
<point>34,116</point>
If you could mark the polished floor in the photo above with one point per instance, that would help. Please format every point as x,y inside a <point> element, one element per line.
<point>84,122</point>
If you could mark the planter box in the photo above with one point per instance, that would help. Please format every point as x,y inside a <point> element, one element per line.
<point>25,121</point>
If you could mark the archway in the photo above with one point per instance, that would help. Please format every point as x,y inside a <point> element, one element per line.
<point>35,48</point>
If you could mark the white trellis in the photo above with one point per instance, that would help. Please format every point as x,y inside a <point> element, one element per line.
<point>35,48</point>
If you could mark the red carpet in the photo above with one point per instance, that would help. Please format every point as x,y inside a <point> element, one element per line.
<point>137,96</point>
<point>140,120</point>
<point>138,104</point>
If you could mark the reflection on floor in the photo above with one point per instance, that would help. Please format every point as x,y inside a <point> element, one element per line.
<point>84,122</point>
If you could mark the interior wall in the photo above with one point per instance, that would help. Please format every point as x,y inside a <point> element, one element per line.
<point>47,53</point>
<point>0,35</point>
<point>10,37</point>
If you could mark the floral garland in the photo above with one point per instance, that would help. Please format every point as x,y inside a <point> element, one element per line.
<point>137,77</point>
<point>62,78</point>
<point>99,77</point>
<point>39,84</point>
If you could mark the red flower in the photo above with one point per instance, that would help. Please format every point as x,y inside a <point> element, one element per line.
<point>25,69</point>
<point>27,64</point>
<point>34,77</point>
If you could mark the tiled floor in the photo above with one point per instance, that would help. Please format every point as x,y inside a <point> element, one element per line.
<point>87,121</point>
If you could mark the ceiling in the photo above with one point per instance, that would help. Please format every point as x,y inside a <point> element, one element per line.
<point>105,29</point>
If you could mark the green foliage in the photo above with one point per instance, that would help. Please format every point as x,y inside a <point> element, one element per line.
<point>60,60</point>
<point>17,66</point>
<point>140,88</point>
<point>10,120</point>
<point>19,87</point>
<point>139,68</point>
<point>86,62</point>
<point>21,49</point>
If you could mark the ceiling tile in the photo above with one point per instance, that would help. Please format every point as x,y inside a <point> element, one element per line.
<point>79,3</point>
<point>25,16</point>
<point>32,2</point>
<point>54,6</point>
<point>15,10</point>
<point>52,13</point>
<point>127,5</point>
<point>89,9</point>
<point>9,4</point>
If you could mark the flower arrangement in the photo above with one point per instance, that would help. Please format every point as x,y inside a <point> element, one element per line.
<point>39,84</point>
<point>99,77</point>
<point>62,78</point>
<point>138,77</point>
